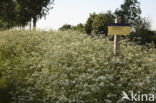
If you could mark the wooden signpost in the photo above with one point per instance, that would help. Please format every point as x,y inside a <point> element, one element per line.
<point>118,29</point>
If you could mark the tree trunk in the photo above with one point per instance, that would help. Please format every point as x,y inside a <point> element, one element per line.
<point>34,23</point>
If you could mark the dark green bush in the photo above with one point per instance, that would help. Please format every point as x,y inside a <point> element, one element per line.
<point>79,27</point>
<point>143,36</point>
<point>66,27</point>
<point>89,22</point>
<point>98,23</point>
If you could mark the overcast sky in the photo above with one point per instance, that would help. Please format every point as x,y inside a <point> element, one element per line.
<point>77,11</point>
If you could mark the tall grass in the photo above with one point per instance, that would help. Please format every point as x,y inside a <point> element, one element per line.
<point>70,67</point>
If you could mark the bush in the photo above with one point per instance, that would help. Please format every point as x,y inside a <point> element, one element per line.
<point>79,27</point>
<point>89,22</point>
<point>100,24</point>
<point>48,67</point>
<point>142,33</point>
<point>143,36</point>
<point>65,27</point>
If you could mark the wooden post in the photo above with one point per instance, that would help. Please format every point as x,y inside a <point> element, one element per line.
<point>117,39</point>
<point>30,25</point>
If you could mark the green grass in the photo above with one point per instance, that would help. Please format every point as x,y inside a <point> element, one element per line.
<point>70,67</point>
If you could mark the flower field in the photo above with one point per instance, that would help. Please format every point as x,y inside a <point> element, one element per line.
<point>71,67</point>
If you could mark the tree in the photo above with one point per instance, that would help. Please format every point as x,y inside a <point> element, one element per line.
<point>8,13</point>
<point>23,13</point>
<point>97,23</point>
<point>142,33</point>
<point>66,27</point>
<point>130,11</point>
<point>33,9</point>
<point>100,23</point>
<point>79,27</point>
<point>88,25</point>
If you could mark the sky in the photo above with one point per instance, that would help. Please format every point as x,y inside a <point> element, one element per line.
<point>77,11</point>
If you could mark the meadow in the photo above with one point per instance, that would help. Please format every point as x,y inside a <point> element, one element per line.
<point>71,67</point>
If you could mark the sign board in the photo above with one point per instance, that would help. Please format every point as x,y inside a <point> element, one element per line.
<point>119,29</point>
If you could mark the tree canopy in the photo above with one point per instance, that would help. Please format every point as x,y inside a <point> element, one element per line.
<point>100,23</point>
<point>97,23</point>
<point>33,9</point>
<point>130,11</point>
<point>88,26</point>
<point>66,27</point>
<point>20,12</point>
<point>7,13</point>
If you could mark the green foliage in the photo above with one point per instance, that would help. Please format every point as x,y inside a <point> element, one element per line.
<point>7,13</point>
<point>142,23</point>
<point>79,27</point>
<point>130,11</point>
<point>2,24</point>
<point>142,33</point>
<point>70,67</point>
<point>100,24</point>
<point>20,12</point>
<point>66,27</point>
<point>88,25</point>
<point>32,9</point>
<point>143,36</point>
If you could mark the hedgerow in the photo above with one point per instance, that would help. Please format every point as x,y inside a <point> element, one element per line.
<point>70,67</point>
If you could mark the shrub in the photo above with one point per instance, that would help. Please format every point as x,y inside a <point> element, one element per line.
<point>89,22</point>
<point>143,36</point>
<point>65,27</point>
<point>100,24</point>
<point>79,27</point>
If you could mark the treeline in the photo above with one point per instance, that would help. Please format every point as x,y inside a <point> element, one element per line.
<point>96,24</point>
<point>21,12</point>
<point>130,12</point>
